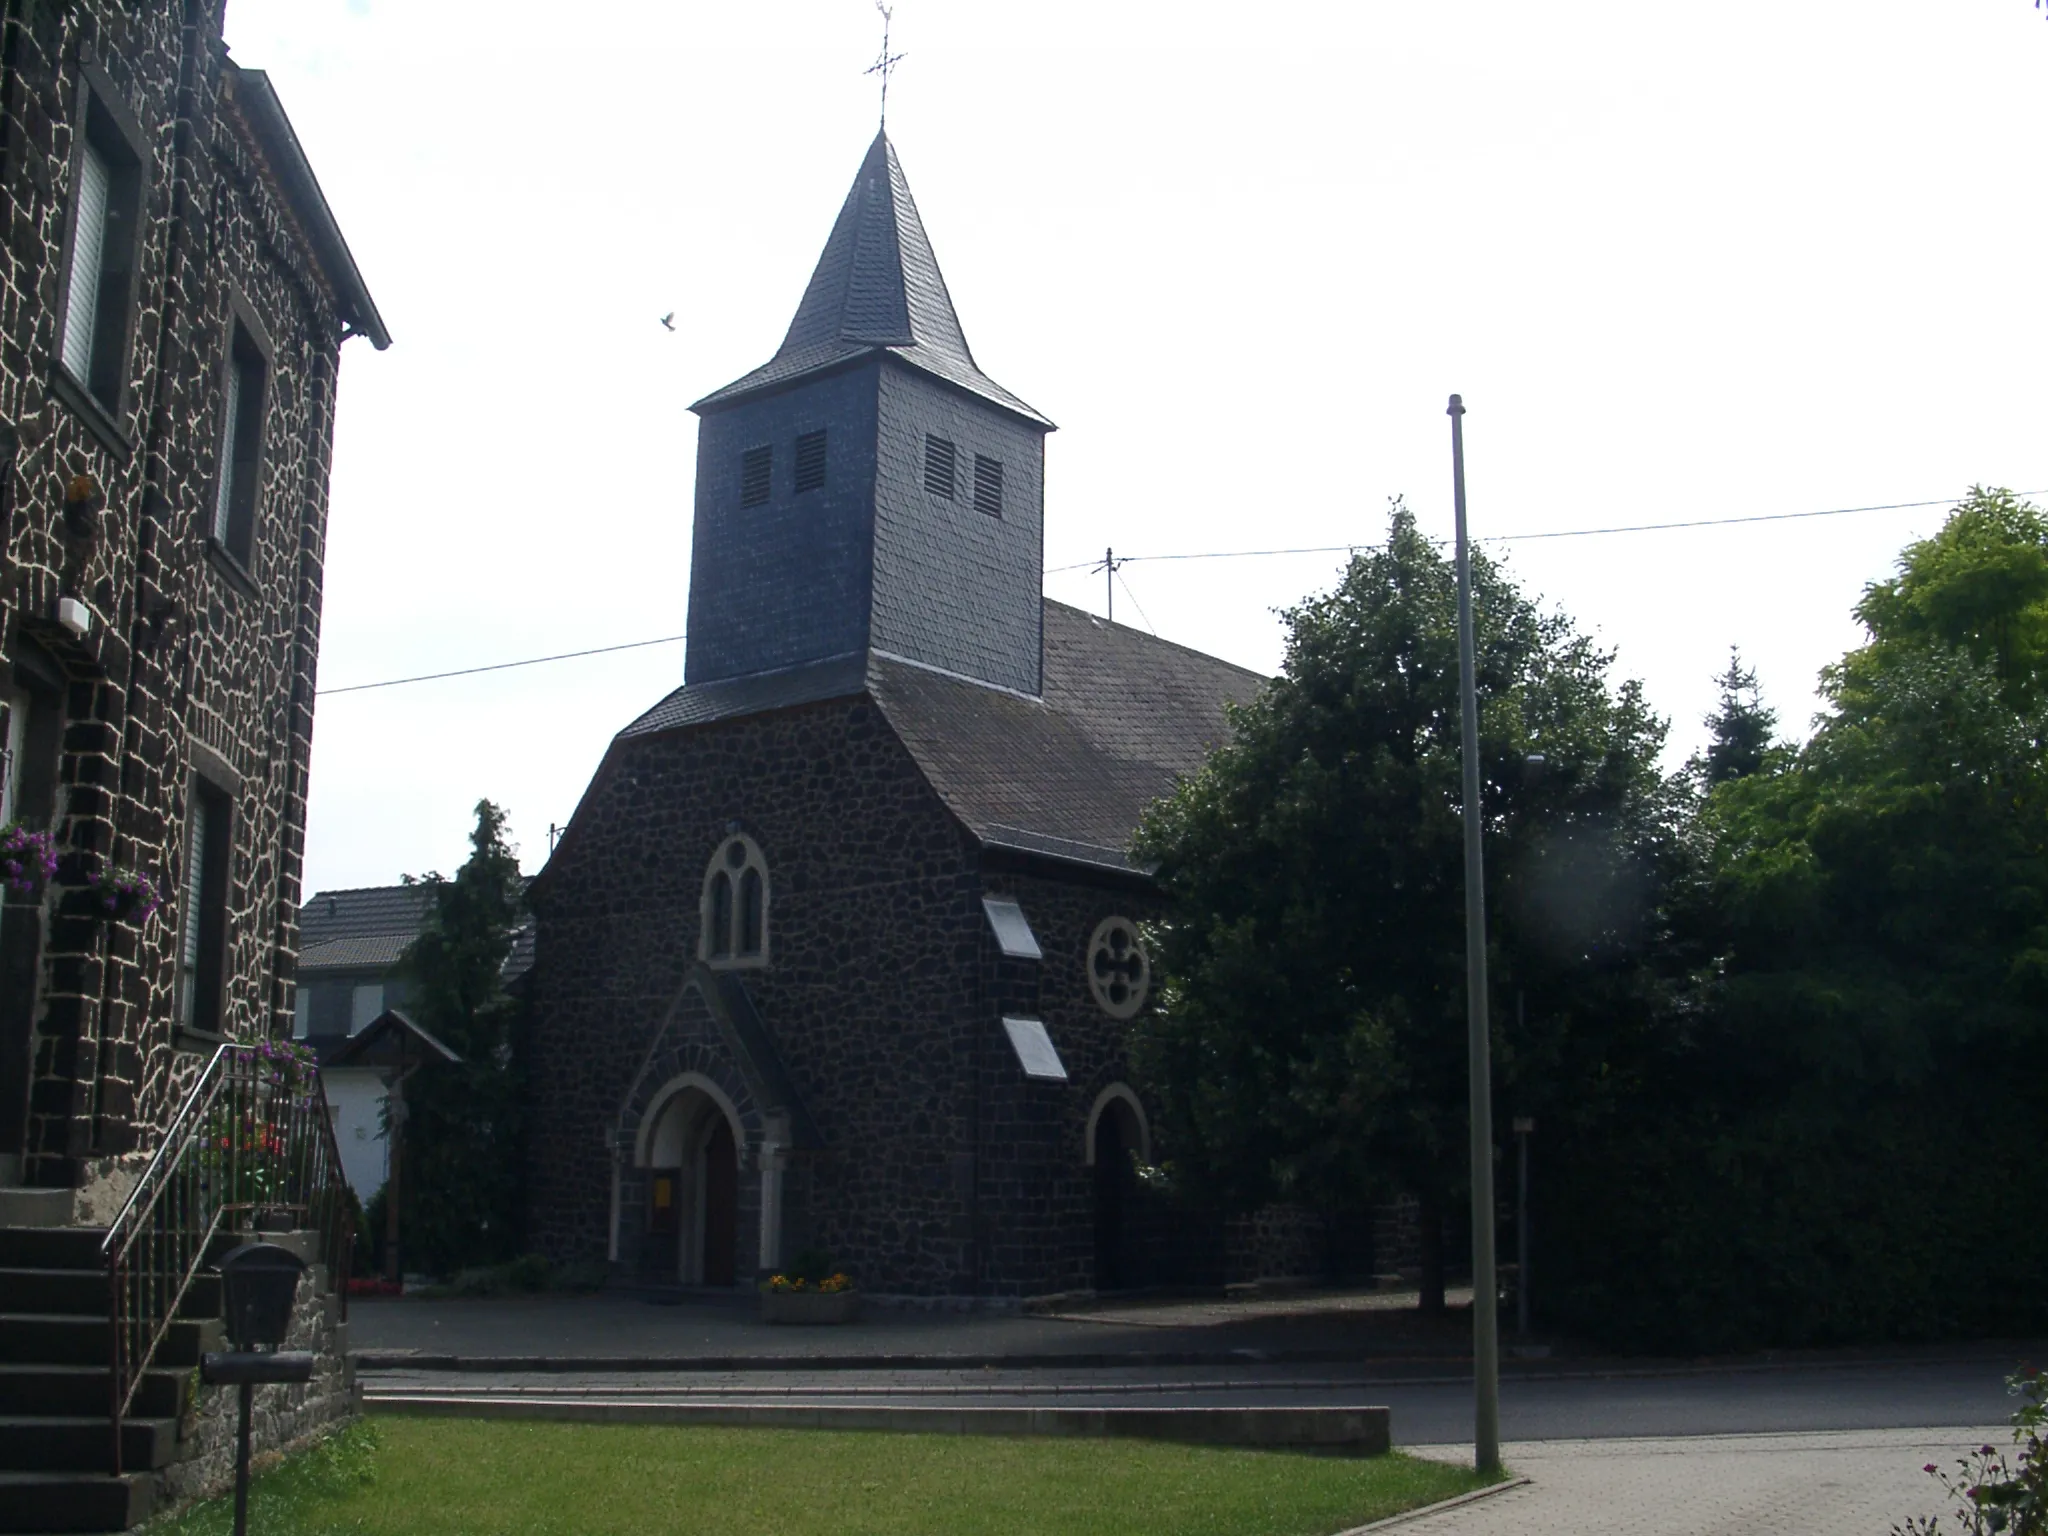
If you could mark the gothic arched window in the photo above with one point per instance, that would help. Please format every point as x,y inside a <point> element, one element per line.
<point>735,905</point>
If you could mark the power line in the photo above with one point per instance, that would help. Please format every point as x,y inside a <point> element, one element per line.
<point>501,666</point>
<point>1561,533</point>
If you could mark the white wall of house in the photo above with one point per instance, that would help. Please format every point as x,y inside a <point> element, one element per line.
<point>355,1097</point>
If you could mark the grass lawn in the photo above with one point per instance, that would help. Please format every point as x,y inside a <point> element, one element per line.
<point>423,1477</point>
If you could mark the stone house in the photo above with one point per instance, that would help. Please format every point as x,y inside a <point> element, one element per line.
<point>840,948</point>
<point>174,295</point>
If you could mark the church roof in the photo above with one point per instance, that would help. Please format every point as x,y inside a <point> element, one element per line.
<point>877,289</point>
<point>1067,775</point>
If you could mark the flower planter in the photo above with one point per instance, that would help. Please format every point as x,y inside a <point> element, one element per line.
<point>809,1306</point>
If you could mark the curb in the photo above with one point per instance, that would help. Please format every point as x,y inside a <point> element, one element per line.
<point>1442,1506</point>
<point>1353,1431</point>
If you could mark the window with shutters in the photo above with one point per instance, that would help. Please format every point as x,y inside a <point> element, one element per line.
<point>756,475</point>
<point>988,485</point>
<point>96,320</point>
<point>810,462</point>
<point>941,466</point>
<point>735,906</point>
<point>202,903</point>
<point>245,379</point>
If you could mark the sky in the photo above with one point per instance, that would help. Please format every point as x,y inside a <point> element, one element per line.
<point>1682,262</point>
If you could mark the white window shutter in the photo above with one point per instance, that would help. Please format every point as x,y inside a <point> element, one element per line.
<point>88,254</point>
<point>224,493</point>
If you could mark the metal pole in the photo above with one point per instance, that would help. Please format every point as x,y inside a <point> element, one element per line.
<point>1522,1130</point>
<point>1109,580</point>
<point>1485,1293</point>
<point>242,1464</point>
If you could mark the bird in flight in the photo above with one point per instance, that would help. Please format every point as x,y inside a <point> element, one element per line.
<point>669,319</point>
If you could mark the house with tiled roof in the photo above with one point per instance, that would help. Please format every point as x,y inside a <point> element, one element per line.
<point>350,945</point>
<point>842,945</point>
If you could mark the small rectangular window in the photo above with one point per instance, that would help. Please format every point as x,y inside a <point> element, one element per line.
<point>366,1006</point>
<point>106,220</point>
<point>1036,1053</point>
<point>939,467</point>
<point>202,895</point>
<point>810,462</point>
<point>241,454</point>
<point>988,485</point>
<point>756,475</point>
<point>1013,932</point>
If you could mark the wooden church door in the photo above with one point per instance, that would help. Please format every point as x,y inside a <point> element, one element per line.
<point>721,1205</point>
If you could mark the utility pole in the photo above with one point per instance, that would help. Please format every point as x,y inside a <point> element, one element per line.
<point>1485,1290</point>
<point>1109,568</point>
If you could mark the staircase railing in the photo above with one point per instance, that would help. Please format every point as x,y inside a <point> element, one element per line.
<point>252,1145</point>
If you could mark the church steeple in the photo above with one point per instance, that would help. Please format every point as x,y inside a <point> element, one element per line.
<point>869,490</point>
<point>877,287</point>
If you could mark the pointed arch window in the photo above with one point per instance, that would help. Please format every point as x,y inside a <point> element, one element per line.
<point>735,905</point>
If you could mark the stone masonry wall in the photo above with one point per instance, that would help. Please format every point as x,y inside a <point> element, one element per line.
<point>282,1418</point>
<point>195,662</point>
<point>873,934</point>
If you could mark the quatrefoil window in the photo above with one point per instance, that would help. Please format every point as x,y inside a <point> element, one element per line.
<point>1119,971</point>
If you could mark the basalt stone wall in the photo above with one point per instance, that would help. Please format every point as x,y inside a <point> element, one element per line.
<point>281,1418</point>
<point>873,937</point>
<point>196,663</point>
<point>1035,1187</point>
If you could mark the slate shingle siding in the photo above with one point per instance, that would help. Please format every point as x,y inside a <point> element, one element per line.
<point>187,657</point>
<point>953,587</point>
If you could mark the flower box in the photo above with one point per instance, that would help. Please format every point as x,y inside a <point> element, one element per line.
<point>809,1306</point>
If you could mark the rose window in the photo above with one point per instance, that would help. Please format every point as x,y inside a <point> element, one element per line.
<point>1119,974</point>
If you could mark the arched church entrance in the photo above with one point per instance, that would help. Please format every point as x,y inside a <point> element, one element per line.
<point>693,1188</point>
<point>1117,1141</point>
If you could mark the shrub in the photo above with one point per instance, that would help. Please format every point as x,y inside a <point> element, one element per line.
<point>1995,1496</point>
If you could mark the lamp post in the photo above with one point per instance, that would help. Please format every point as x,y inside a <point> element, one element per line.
<point>1485,1294</point>
<point>1525,1126</point>
<point>260,1282</point>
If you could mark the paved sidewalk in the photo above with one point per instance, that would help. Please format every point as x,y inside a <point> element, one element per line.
<point>1855,1483</point>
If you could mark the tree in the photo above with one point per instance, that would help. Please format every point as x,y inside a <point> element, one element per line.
<point>1835,1145</point>
<point>1742,727</point>
<point>461,1189</point>
<point>1309,1041</point>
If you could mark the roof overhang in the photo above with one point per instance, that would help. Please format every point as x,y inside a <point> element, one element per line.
<point>257,99</point>
<point>393,1041</point>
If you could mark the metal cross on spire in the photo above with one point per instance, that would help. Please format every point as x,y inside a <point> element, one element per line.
<point>885,61</point>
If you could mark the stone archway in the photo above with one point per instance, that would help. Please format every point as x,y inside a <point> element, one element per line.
<point>1117,1142</point>
<point>689,1143</point>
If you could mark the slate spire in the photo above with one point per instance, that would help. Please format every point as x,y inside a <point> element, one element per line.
<point>877,288</point>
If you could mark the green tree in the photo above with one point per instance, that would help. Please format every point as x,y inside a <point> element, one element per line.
<point>1832,1147</point>
<point>1309,1042</point>
<point>1742,727</point>
<point>461,1186</point>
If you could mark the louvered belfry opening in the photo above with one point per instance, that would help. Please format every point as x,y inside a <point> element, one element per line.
<point>988,485</point>
<point>941,467</point>
<point>810,462</point>
<point>756,475</point>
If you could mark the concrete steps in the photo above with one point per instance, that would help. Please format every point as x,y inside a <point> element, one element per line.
<point>56,1388</point>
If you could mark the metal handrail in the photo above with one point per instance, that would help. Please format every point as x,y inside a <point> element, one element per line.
<point>253,1137</point>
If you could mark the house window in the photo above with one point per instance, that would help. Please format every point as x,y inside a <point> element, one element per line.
<point>756,475</point>
<point>203,901</point>
<point>99,269</point>
<point>302,1013</point>
<point>940,466</point>
<point>810,462</point>
<point>366,1004</point>
<point>243,380</point>
<point>988,485</point>
<point>735,905</point>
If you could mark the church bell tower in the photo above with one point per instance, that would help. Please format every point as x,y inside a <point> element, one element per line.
<point>869,489</point>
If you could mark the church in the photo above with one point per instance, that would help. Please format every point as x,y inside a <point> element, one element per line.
<point>839,951</point>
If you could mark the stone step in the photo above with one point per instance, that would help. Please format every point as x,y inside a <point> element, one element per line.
<point>30,1443</point>
<point>52,1247</point>
<point>24,1207</point>
<point>74,1501</point>
<point>67,1338</point>
<point>85,1291</point>
<point>68,1391</point>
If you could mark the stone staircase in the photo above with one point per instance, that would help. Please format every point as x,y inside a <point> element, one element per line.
<point>56,1443</point>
